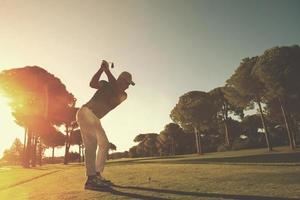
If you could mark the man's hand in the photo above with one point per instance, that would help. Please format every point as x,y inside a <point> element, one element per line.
<point>104,66</point>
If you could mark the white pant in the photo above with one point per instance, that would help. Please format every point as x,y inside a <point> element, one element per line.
<point>92,135</point>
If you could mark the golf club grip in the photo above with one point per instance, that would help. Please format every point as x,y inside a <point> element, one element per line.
<point>112,65</point>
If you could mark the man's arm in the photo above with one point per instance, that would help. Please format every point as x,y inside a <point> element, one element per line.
<point>95,83</point>
<point>112,80</point>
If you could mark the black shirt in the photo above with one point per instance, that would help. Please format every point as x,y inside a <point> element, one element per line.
<point>105,99</point>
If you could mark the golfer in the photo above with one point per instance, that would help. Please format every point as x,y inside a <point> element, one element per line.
<point>109,94</point>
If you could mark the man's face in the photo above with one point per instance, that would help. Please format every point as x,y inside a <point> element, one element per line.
<point>123,84</point>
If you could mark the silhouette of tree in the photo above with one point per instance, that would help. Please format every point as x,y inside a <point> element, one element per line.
<point>75,139</point>
<point>112,147</point>
<point>53,139</point>
<point>69,121</point>
<point>133,152</point>
<point>194,109</point>
<point>38,100</point>
<point>149,145</point>
<point>139,137</point>
<point>224,108</point>
<point>278,68</point>
<point>172,140</point>
<point>250,90</point>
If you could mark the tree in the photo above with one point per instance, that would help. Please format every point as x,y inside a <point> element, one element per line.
<point>139,137</point>
<point>194,109</point>
<point>224,108</point>
<point>15,153</point>
<point>149,145</point>
<point>248,89</point>
<point>251,125</point>
<point>53,139</point>
<point>172,139</point>
<point>76,139</point>
<point>112,147</point>
<point>133,152</point>
<point>37,99</point>
<point>278,68</point>
<point>70,124</point>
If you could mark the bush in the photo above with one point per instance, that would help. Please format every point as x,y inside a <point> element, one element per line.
<point>55,160</point>
<point>240,143</point>
<point>223,147</point>
<point>118,155</point>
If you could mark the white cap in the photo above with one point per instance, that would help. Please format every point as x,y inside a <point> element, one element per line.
<point>127,77</point>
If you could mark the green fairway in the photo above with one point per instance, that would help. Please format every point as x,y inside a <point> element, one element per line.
<point>248,174</point>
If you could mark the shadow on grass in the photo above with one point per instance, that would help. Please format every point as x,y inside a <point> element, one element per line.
<point>28,180</point>
<point>135,196</point>
<point>202,194</point>
<point>131,195</point>
<point>47,167</point>
<point>146,159</point>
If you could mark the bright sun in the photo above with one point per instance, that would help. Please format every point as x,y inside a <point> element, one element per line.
<point>9,130</point>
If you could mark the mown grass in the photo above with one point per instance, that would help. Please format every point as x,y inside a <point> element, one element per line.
<point>280,155</point>
<point>224,175</point>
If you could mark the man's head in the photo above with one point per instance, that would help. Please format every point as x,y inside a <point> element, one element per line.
<point>124,80</point>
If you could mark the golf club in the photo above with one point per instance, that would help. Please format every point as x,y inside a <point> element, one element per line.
<point>110,63</point>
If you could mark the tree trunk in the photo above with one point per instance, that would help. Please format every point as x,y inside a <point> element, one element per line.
<point>197,140</point>
<point>34,150</point>
<point>288,128</point>
<point>227,133</point>
<point>265,127</point>
<point>66,158</point>
<point>53,148</point>
<point>291,123</point>
<point>25,137</point>
<point>173,147</point>
<point>225,117</point>
<point>27,156</point>
<point>295,130</point>
<point>24,147</point>
<point>40,152</point>
<point>67,146</point>
<point>200,143</point>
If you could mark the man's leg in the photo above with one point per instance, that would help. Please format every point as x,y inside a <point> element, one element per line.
<point>88,134</point>
<point>90,144</point>
<point>88,128</point>
<point>103,146</point>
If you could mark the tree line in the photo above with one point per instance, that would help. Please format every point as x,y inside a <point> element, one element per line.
<point>202,121</point>
<point>216,120</point>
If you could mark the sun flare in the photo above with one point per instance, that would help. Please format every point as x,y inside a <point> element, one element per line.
<point>8,129</point>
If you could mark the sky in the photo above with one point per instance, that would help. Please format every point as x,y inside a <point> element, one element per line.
<point>170,47</point>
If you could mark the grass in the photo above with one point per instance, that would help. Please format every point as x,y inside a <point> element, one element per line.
<point>247,174</point>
